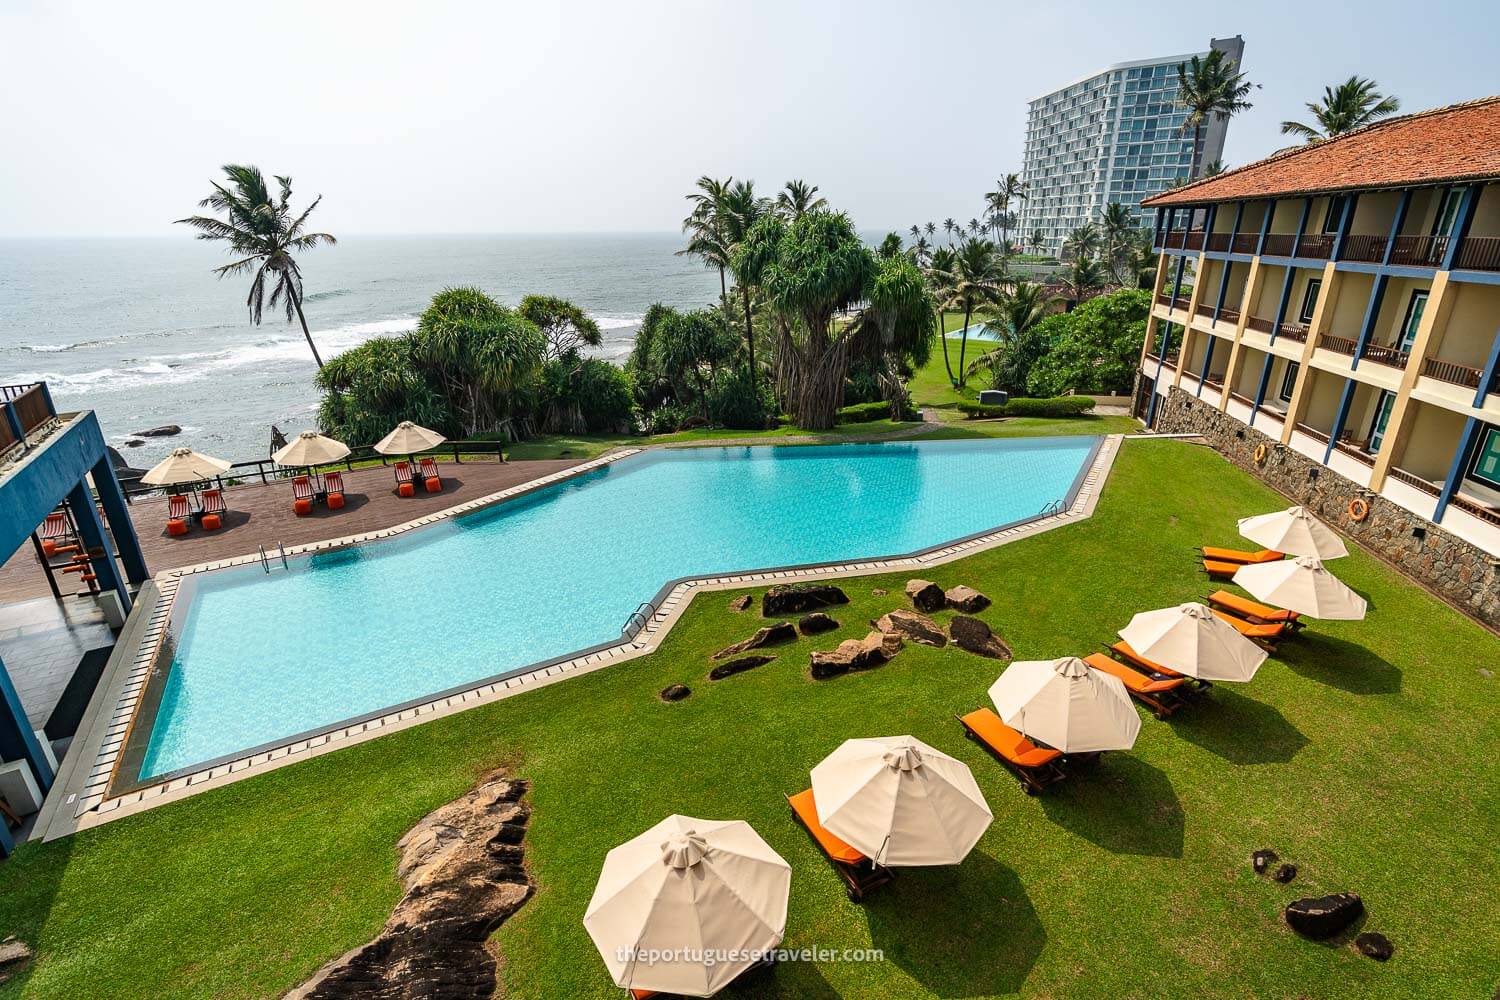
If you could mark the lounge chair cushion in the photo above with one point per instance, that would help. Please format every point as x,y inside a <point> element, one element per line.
<point>1215,567</point>
<point>302,506</point>
<point>177,526</point>
<point>1240,556</point>
<point>1009,743</point>
<point>1136,659</point>
<point>807,811</point>
<point>1251,630</point>
<point>1133,679</point>
<point>406,489</point>
<point>1249,608</point>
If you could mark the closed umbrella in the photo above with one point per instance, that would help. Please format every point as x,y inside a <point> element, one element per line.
<point>1302,585</point>
<point>1066,704</point>
<point>701,897</point>
<point>1192,640</point>
<point>184,465</point>
<point>900,802</point>
<point>1294,531</point>
<point>311,448</point>
<point>407,439</point>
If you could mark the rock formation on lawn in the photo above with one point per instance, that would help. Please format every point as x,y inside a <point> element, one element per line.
<point>1376,946</point>
<point>1262,860</point>
<point>463,874</point>
<point>1321,917</point>
<point>913,626</point>
<point>14,954</point>
<point>815,623</point>
<point>965,599</point>
<point>741,603</point>
<point>766,635</point>
<point>738,666</point>
<point>974,636</point>
<point>796,598</point>
<point>1285,874</point>
<point>675,692</point>
<point>925,595</point>
<point>855,654</point>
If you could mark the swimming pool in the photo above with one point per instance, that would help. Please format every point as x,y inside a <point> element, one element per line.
<point>255,658</point>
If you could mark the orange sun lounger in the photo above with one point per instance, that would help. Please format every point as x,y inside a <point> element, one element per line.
<point>1131,658</point>
<point>1161,696</point>
<point>1034,767</point>
<point>859,873</point>
<point>1251,610</point>
<point>1217,568</point>
<point>1267,634</point>
<point>1239,556</point>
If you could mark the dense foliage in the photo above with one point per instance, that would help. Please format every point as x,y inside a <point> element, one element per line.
<point>1094,348</point>
<point>1027,406</point>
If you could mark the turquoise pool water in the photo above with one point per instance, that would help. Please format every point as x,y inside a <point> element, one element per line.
<point>263,657</point>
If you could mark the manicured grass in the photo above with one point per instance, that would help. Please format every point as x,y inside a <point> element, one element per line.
<point>591,446</point>
<point>1366,753</point>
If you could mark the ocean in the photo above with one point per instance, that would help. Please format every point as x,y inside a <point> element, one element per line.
<point>140,331</point>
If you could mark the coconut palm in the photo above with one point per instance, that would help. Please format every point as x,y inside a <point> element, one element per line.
<point>916,232</point>
<point>739,210</point>
<point>1083,277</point>
<point>975,281</point>
<point>1007,189</point>
<point>1214,169</point>
<point>1209,86</point>
<point>931,230</point>
<point>1016,314</point>
<point>950,227</point>
<point>1083,241</point>
<point>1116,226</point>
<point>975,227</point>
<point>704,227</point>
<point>938,274</point>
<point>921,250</point>
<point>798,198</point>
<point>1038,242</point>
<point>1353,104</point>
<point>261,232</point>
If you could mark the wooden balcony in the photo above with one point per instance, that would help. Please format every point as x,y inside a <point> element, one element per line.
<point>1256,323</point>
<point>1355,450</point>
<point>1293,331</point>
<point>1229,315</point>
<point>1278,245</point>
<point>1419,251</point>
<point>1415,481</point>
<point>1452,372</point>
<point>1365,249</point>
<point>1484,512</point>
<point>1317,246</point>
<point>1193,241</point>
<point>1383,355</point>
<point>1204,309</point>
<point>1244,243</point>
<point>1313,433</point>
<point>1479,253</point>
<point>1219,242</point>
<point>1338,345</point>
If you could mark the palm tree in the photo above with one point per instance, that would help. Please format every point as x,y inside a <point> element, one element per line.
<point>1117,224</point>
<point>1214,169</point>
<point>976,280</point>
<point>950,227</point>
<point>1141,257</point>
<point>1353,104</point>
<point>1038,242</point>
<point>916,232</point>
<point>939,274</point>
<point>1007,189</point>
<point>261,232</point>
<point>738,211</point>
<point>921,250</point>
<point>705,229</point>
<point>798,198</point>
<point>1018,312</point>
<point>1084,276</point>
<point>931,231</point>
<point>975,227</point>
<point>1083,241</point>
<point>1209,87</point>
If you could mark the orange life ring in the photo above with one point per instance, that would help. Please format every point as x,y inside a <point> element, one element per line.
<point>1359,509</point>
<point>1260,453</point>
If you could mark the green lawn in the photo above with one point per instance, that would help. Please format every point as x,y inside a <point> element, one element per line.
<point>1367,753</point>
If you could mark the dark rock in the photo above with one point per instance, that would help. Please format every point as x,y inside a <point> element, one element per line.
<point>741,603</point>
<point>463,874</point>
<point>912,625</point>
<point>134,443</point>
<point>965,599</point>
<point>815,623</point>
<point>974,636</point>
<point>795,598</point>
<point>165,430</point>
<point>878,592</point>
<point>738,666</point>
<point>925,595</point>
<point>767,635</point>
<point>1321,917</point>
<point>1263,860</point>
<point>1285,874</point>
<point>855,654</point>
<point>14,953</point>
<point>1377,946</point>
<point>675,692</point>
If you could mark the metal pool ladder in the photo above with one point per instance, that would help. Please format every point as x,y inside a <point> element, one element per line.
<point>638,620</point>
<point>1053,506</point>
<point>265,560</point>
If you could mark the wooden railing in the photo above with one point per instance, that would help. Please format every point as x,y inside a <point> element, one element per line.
<point>1415,481</point>
<point>1181,302</point>
<point>1479,253</point>
<point>1243,399</point>
<point>1313,432</point>
<point>1218,242</point>
<point>1244,243</point>
<point>1479,510</point>
<point>1229,315</point>
<point>1214,381</point>
<point>1356,451</point>
<point>1293,331</point>
<point>1257,323</point>
<point>1338,345</point>
<point>1383,355</point>
<point>1367,249</point>
<point>29,406</point>
<point>33,408</point>
<point>1452,372</point>
<point>1278,244</point>
<point>1316,246</point>
<point>1193,240</point>
<point>1204,309</point>
<point>1164,299</point>
<point>1419,251</point>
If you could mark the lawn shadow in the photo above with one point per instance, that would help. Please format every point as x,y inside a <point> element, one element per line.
<point>1340,663</point>
<point>990,935</point>
<point>1121,804</point>
<point>1239,729</point>
<point>785,979</point>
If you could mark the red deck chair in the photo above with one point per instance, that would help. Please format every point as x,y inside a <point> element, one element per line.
<point>56,533</point>
<point>431,481</point>
<point>302,496</point>
<point>177,514</point>
<point>404,485</point>
<point>213,510</point>
<point>333,485</point>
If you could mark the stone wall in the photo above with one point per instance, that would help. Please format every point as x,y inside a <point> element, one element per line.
<point>1462,574</point>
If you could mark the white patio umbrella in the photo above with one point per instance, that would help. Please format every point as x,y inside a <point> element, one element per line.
<point>900,802</point>
<point>1192,640</point>
<point>407,439</point>
<point>688,891</point>
<point>311,448</point>
<point>1302,585</point>
<point>184,465</point>
<point>1066,704</point>
<point>1294,531</point>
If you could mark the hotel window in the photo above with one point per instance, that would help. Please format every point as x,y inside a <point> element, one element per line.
<point>1289,381</point>
<point>1309,300</point>
<point>1382,418</point>
<point>1486,467</point>
<point>1442,222</point>
<point>1413,320</point>
<point>1335,214</point>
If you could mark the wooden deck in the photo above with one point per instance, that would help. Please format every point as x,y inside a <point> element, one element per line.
<point>262,515</point>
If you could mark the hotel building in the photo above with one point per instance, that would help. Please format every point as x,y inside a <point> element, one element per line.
<point>1340,302</point>
<point>1114,136</point>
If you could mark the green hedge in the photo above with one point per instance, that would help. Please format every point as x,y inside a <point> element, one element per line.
<point>1024,406</point>
<point>859,413</point>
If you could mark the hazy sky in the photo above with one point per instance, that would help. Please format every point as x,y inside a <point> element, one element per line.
<point>544,117</point>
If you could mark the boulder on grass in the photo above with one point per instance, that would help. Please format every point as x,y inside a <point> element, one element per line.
<point>912,625</point>
<point>675,692</point>
<point>815,623</point>
<point>1263,860</point>
<point>795,598</point>
<point>925,595</point>
<point>741,603</point>
<point>1321,917</point>
<point>738,666</point>
<point>855,654</point>
<point>965,599</point>
<point>764,636</point>
<point>974,636</point>
<point>14,953</point>
<point>1285,874</point>
<point>1376,946</point>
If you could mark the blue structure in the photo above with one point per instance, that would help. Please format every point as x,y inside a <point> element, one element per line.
<point>47,470</point>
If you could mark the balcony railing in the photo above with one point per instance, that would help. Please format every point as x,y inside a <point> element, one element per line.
<point>1479,253</point>
<point>1453,372</point>
<point>1356,451</point>
<point>1278,244</point>
<point>1383,355</point>
<point>1479,510</point>
<point>1366,249</point>
<point>1218,242</point>
<point>1244,243</point>
<point>1256,323</point>
<point>1172,358</point>
<point>1229,315</point>
<point>1419,251</point>
<point>1164,299</point>
<point>1214,381</point>
<point>1314,433</point>
<point>1173,240</point>
<point>1193,241</point>
<point>1204,309</point>
<point>1338,345</point>
<point>1293,331</point>
<point>1242,399</point>
<point>28,408</point>
<point>1181,302</point>
<point>1318,246</point>
<point>1415,481</point>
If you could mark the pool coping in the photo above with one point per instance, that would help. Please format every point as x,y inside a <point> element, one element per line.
<point>88,798</point>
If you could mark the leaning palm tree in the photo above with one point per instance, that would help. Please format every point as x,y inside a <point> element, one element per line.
<point>798,198</point>
<point>976,281</point>
<point>261,232</point>
<point>1016,314</point>
<point>1116,225</point>
<point>939,276</point>
<point>1209,86</point>
<point>1007,189</point>
<point>705,230</point>
<point>1353,104</point>
<point>739,210</point>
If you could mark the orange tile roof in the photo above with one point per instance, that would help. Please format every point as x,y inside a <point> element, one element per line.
<point>1458,143</point>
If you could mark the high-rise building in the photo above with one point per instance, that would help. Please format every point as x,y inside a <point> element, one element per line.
<point>1114,136</point>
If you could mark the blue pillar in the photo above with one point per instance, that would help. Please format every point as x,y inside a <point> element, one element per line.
<point>1466,442</point>
<point>1345,221</point>
<point>120,525</point>
<point>96,540</point>
<point>1286,296</point>
<point>1265,226</point>
<point>1208,359</point>
<point>1301,228</point>
<point>1400,220</point>
<point>1339,418</point>
<point>14,420</point>
<point>1461,224</point>
<point>1487,381</point>
<point>17,739</point>
<point>1166,343</point>
<point>1372,313</point>
<point>1260,390</point>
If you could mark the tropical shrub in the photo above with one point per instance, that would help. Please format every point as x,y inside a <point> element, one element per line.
<point>1057,407</point>
<point>580,395</point>
<point>861,413</point>
<point>734,402</point>
<point>1094,348</point>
